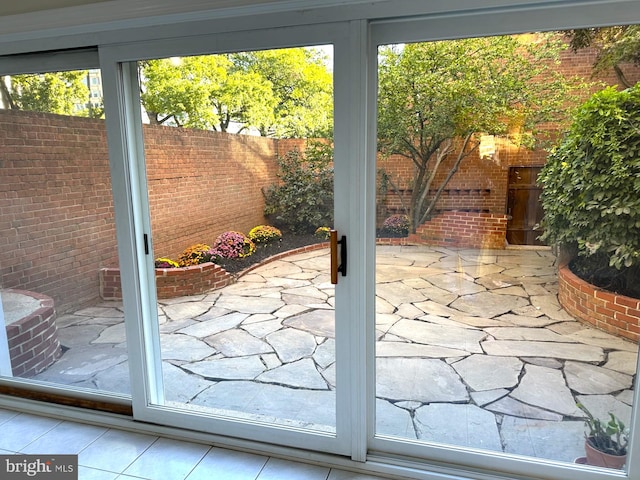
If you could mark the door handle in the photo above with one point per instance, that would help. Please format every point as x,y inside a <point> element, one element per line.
<point>335,268</point>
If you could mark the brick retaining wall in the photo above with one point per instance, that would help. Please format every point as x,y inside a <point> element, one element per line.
<point>463,229</point>
<point>171,282</point>
<point>604,310</point>
<point>33,339</point>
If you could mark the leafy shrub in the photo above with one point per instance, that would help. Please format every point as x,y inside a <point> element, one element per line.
<point>322,232</point>
<point>591,194</point>
<point>264,234</point>
<point>163,262</point>
<point>396,225</point>
<point>195,255</point>
<point>303,198</point>
<point>232,245</point>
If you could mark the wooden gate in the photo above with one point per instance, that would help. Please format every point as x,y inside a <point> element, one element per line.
<point>524,207</point>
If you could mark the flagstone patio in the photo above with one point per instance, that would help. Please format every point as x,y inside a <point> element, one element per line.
<point>472,349</point>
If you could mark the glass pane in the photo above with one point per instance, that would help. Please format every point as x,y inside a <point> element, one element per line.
<point>62,324</point>
<point>486,338</point>
<point>246,308</point>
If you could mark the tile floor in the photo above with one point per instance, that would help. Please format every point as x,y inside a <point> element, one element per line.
<point>110,454</point>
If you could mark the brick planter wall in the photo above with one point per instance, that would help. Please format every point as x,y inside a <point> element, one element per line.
<point>33,339</point>
<point>604,310</point>
<point>463,229</point>
<point>171,282</point>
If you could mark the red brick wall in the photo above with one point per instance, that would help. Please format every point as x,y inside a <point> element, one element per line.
<point>204,183</point>
<point>478,185</point>
<point>56,209</point>
<point>171,282</point>
<point>604,310</point>
<point>33,339</point>
<point>463,229</point>
<point>56,212</point>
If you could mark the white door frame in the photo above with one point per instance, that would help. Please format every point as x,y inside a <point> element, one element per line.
<point>127,150</point>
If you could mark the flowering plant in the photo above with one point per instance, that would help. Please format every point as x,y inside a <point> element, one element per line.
<point>264,234</point>
<point>232,245</point>
<point>195,255</point>
<point>163,262</point>
<point>322,232</point>
<point>397,225</point>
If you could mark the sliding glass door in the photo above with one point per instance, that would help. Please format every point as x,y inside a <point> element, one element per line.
<point>238,166</point>
<point>61,309</point>
<point>486,353</point>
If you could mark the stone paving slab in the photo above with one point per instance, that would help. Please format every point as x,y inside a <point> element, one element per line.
<point>439,335</point>
<point>546,388</point>
<point>460,425</point>
<point>567,351</point>
<point>562,441</point>
<point>422,380</point>
<point>590,379</point>
<point>483,372</point>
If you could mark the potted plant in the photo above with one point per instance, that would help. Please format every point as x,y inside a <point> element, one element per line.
<point>605,443</point>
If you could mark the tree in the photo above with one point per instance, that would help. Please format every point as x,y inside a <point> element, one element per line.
<point>435,98</point>
<point>302,87</point>
<point>204,92</point>
<point>62,93</point>
<point>591,184</point>
<point>283,93</point>
<point>615,46</point>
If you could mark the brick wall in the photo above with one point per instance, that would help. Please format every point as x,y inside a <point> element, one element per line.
<point>463,229</point>
<point>56,212</point>
<point>203,183</point>
<point>171,282</point>
<point>33,339</point>
<point>604,310</point>
<point>56,209</point>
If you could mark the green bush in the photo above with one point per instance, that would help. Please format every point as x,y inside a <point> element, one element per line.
<point>303,198</point>
<point>591,181</point>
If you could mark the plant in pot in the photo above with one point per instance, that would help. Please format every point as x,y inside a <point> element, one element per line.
<point>605,443</point>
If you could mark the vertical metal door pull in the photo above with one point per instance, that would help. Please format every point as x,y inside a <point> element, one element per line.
<point>335,268</point>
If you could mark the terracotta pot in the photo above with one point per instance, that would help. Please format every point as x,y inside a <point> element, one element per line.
<point>601,459</point>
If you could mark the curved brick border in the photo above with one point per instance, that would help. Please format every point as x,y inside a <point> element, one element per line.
<point>33,340</point>
<point>604,310</point>
<point>184,281</point>
<point>171,282</point>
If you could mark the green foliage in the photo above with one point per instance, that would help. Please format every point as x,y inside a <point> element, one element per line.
<point>203,92</point>
<point>591,194</point>
<point>610,437</point>
<point>615,46</point>
<point>302,87</point>
<point>62,93</point>
<point>432,93</point>
<point>282,93</point>
<point>303,199</point>
<point>263,234</point>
